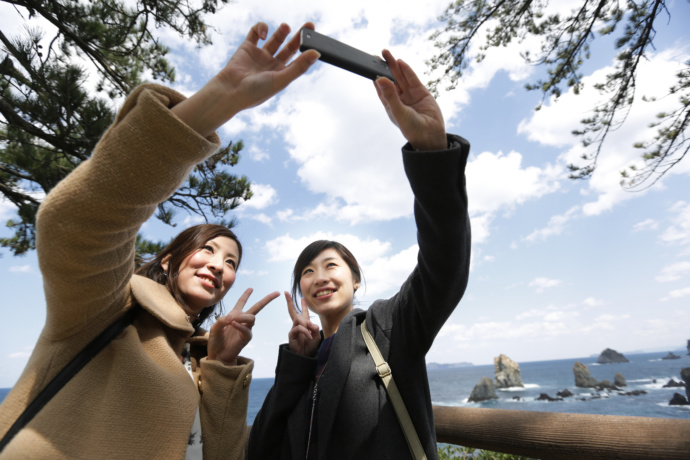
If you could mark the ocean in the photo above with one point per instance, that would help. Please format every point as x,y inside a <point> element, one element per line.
<point>646,372</point>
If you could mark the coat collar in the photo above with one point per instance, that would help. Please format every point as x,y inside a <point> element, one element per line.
<point>157,300</point>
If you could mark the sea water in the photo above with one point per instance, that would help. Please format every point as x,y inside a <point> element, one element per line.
<point>452,387</point>
<point>647,372</point>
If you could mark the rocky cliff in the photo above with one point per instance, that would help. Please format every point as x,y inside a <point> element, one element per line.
<point>507,372</point>
<point>609,356</point>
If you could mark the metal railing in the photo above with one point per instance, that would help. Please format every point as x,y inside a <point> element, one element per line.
<point>547,435</point>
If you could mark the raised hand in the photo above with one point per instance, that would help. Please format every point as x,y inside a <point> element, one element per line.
<point>411,107</point>
<point>232,332</point>
<point>304,337</point>
<point>251,76</point>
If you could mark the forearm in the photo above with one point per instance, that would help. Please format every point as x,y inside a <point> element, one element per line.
<point>87,225</point>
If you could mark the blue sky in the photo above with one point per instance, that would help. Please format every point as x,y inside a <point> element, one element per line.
<point>560,268</point>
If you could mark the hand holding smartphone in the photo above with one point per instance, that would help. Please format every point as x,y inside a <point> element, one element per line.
<point>344,56</point>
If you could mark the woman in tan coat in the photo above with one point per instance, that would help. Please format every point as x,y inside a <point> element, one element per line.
<point>136,399</point>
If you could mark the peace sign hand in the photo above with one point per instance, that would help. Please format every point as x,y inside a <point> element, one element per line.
<point>232,332</point>
<point>304,337</point>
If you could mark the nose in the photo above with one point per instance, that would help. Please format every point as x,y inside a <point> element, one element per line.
<point>216,263</point>
<point>320,278</point>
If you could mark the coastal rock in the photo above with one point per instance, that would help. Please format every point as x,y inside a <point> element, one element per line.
<point>545,397</point>
<point>483,391</point>
<point>678,400</point>
<point>507,372</point>
<point>565,393</point>
<point>610,356</point>
<point>673,384</point>
<point>685,375</point>
<point>633,393</point>
<point>606,385</point>
<point>619,380</point>
<point>671,356</point>
<point>583,378</point>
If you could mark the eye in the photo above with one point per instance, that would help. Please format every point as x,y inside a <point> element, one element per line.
<point>307,271</point>
<point>208,248</point>
<point>231,263</point>
<point>331,264</point>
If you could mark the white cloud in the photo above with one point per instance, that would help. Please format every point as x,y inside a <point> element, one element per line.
<point>257,154</point>
<point>263,218</point>
<point>673,272</point>
<point>679,231</point>
<point>648,224</point>
<point>20,268</point>
<point>540,284</point>
<point>511,184</point>
<point>555,226</point>
<point>676,294</point>
<point>262,196</point>
<point>592,302</point>
<point>554,122</point>
<point>286,248</point>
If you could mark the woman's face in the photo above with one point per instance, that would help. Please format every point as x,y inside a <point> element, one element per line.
<point>207,274</point>
<point>327,285</point>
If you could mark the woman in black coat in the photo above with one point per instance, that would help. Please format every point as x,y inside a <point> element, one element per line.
<point>327,401</point>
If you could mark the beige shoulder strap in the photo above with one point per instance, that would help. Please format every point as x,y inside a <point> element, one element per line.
<point>384,372</point>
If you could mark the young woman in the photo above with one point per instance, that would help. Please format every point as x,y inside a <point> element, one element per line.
<point>327,401</point>
<point>136,399</point>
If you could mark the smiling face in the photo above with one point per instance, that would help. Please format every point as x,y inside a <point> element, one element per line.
<point>328,286</point>
<point>207,274</point>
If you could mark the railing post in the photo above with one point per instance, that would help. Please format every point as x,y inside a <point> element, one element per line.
<point>555,435</point>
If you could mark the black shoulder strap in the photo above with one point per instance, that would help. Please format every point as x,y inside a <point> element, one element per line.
<point>69,371</point>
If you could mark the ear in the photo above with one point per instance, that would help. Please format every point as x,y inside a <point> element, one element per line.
<point>356,286</point>
<point>165,263</point>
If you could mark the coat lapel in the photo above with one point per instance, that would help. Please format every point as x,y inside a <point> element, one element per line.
<point>335,376</point>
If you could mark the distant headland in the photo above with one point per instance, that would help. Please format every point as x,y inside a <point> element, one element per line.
<point>437,366</point>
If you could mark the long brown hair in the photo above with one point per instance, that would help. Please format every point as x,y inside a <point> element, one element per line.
<point>184,244</point>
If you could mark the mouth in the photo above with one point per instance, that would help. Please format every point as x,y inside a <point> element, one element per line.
<point>211,280</point>
<point>324,293</point>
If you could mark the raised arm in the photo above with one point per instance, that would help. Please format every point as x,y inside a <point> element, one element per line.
<point>435,166</point>
<point>86,227</point>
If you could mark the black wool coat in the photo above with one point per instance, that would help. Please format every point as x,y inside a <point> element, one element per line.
<point>354,414</point>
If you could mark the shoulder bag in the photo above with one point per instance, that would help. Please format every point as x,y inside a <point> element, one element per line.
<point>69,371</point>
<point>384,371</point>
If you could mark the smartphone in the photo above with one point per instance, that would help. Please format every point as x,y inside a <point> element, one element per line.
<point>344,56</point>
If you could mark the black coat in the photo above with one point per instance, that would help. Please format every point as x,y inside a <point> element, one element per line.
<point>355,417</point>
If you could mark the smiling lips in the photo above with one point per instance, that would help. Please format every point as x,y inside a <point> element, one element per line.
<point>210,279</point>
<point>324,293</point>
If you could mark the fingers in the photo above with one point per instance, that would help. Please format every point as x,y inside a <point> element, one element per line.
<point>305,309</point>
<point>395,69</point>
<point>292,311</point>
<point>243,300</point>
<point>257,32</point>
<point>277,39</point>
<point>292,46</point>
<point>257,307</point>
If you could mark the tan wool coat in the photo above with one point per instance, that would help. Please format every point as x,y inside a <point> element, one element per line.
<point>135,399</point>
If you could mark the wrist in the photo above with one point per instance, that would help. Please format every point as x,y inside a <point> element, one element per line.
<point>209,108</point>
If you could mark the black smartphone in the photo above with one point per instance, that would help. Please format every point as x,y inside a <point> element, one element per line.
<point>344,56</point>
